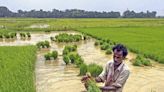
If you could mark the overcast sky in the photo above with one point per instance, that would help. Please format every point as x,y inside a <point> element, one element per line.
<point>90,5</point>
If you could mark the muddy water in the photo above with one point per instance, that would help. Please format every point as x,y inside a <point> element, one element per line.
<point>35,37</point>
<point>54,76</point>
<point>39,26</point>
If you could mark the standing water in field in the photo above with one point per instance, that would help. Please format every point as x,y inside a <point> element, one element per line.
<point>55,76</point>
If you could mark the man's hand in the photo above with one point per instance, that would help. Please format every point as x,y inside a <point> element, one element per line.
<point>84,78</point>
<point>98,79</point>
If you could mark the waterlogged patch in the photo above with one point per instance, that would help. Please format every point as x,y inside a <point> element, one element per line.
<point>39,26</point>
<point>2,26</point>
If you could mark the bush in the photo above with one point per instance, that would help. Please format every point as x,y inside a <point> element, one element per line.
<point>66,59</point>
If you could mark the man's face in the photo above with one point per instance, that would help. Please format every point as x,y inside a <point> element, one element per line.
<point>118,56</point>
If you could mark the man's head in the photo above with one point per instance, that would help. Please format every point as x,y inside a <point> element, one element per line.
<point>119,53</point>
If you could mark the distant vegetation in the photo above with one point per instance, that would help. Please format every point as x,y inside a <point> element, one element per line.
<point>74,13</point>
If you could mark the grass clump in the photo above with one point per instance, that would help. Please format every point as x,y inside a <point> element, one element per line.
<point>141,61</point>
<point>17,68</point>
<point>53,54</point>
<point>108,51</point>
<point>43,44</point>
<point>67,38</point>
<point>66,59</point>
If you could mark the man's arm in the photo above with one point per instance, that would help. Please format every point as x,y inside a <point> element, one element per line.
<point>119,82</point>
<point>108,88</point>
<point>103,76</point>
<point>121,79</point>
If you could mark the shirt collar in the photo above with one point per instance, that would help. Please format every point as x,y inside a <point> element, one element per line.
<point>119,67</point>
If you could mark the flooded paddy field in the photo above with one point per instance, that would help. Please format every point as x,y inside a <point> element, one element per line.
<point>55,76</point>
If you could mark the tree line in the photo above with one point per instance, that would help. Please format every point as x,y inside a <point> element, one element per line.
<point>74,13</point>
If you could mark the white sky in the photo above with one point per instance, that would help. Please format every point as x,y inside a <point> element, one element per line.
<point>89,5</point>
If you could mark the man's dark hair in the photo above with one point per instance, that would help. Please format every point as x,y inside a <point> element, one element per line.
<point>120,47</point>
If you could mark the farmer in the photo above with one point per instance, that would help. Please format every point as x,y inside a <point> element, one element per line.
<point>116,72</point>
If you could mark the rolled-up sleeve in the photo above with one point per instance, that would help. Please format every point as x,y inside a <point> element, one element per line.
<point>121,79</point>
<point>104,74</point>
